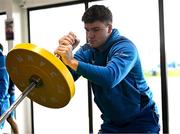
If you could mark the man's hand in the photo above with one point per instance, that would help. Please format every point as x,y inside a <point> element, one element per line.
<point>69,39</point>
<point>64,51</point>
<point>13,124</point>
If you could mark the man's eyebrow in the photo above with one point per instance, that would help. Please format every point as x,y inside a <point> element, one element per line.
<point>92,27</point>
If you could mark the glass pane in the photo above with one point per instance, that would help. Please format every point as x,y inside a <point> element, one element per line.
<point>47,26</point>
<point>138,20</point>
<point>172,32</point>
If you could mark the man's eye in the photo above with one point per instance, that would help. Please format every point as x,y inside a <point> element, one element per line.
<point>95,30</point>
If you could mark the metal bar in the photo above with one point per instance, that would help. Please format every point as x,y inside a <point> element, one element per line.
<point>90,107</point>
<point>18,100</point>
<point>164,90</point>
<point>29,40</point>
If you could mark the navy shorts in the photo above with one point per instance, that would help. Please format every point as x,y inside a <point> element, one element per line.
<point>147,122</point>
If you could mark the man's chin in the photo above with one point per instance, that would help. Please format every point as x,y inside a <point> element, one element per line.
<point>92,45</point>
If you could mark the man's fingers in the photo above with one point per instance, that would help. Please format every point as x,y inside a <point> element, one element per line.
<point>67,40</point>
<point>62,49</point>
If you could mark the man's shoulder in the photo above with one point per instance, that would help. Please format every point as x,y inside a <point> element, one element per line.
<point>123,42</point>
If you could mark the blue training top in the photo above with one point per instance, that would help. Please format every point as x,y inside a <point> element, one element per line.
<point>120,90</point>
<point>7,88</point>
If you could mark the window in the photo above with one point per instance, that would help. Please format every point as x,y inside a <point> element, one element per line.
<point>46,27</point>
<point>138,20</point>
<point>172,32</point>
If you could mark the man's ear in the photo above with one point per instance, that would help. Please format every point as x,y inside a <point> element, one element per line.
<point>109,28</point>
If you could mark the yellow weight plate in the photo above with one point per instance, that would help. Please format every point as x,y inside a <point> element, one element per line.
<point>26,60</point>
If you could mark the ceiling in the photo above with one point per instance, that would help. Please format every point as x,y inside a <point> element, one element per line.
<point>35,3</point>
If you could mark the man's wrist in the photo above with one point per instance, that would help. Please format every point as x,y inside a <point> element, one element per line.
<point>73,64</point>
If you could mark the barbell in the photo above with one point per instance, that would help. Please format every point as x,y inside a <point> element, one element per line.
<point>40,76</point>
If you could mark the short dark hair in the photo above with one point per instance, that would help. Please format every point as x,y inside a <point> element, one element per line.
<point>97,13</point>
<point>1,47</point>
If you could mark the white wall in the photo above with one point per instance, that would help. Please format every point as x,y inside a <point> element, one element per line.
<point>18,14</point>
<point>5,5</point>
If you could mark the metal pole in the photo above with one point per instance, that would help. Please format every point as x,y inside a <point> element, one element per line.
<point>164,90</point>
<point>34,81</point>
<point>90,106</point>
<point>16,103</point>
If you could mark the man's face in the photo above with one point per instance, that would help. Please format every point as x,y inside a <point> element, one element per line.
<point>97,33</point>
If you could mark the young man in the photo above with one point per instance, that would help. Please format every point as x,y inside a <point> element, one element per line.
<point>112,64</point>
<point>7,96</point>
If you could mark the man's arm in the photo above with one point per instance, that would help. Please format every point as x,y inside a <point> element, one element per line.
<point>4,79</point>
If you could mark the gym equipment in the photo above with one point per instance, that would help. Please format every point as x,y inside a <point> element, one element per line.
<point>40,76</point>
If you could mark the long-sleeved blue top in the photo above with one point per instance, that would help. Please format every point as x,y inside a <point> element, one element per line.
<point>4,78</point>
<point>120,90</point>
<point>7,89</point>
